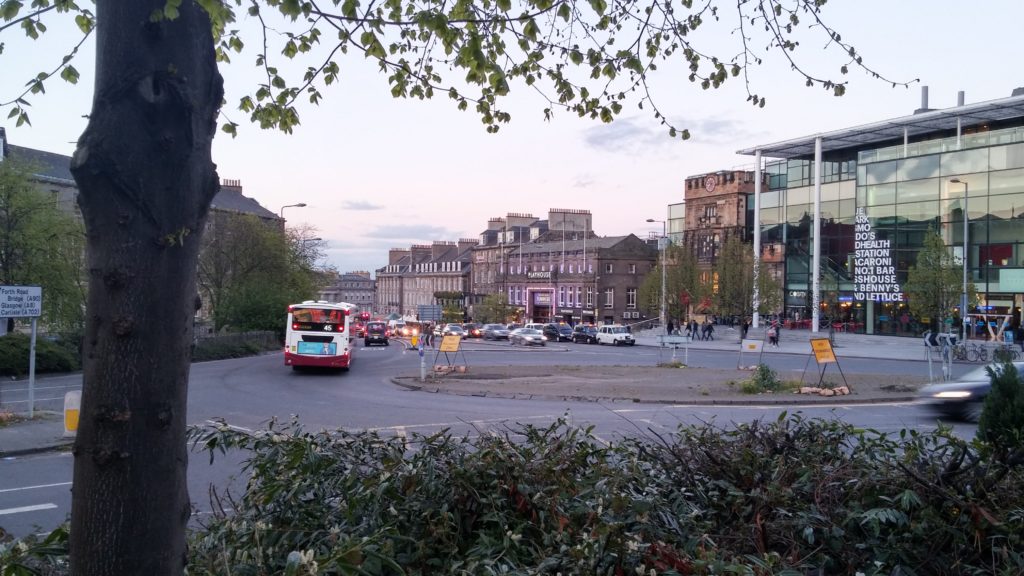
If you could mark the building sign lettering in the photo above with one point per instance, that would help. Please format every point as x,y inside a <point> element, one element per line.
<point>874,274</point>
<point>539,275</point>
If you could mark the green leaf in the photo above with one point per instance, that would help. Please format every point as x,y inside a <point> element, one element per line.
<point>599,6</point>
<point>290,49</point>
<point>504,5</point>
<point>69,74</point>
<point>9,9</point>
<point>564,12</point>
<point>531,30</point>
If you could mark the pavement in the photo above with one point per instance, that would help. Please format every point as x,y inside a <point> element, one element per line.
<point>45,432</point>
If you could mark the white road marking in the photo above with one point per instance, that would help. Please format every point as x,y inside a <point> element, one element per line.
<point>37,487</point>
<point>37,507</point>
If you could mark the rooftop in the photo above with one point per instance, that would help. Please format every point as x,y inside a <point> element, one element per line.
<point>889,130</point>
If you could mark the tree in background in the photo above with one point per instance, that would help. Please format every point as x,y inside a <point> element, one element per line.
<point>41,246</point>
<point>935,282</point>
<point>734,271</point>
<point>682,281</point>
<point>492,310</point>
<point>146,176</point>
<point>250,271</point>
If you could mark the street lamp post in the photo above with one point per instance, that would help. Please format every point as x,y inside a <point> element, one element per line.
<point>963,295</point>
<point>663,245</point>
<point>299,205</point>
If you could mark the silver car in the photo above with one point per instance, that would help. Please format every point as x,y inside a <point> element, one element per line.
<point>495,332</point>
<point>527,337</point>
<point>964,398</point>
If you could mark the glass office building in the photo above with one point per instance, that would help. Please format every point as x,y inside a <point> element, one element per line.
<point>845,214</point>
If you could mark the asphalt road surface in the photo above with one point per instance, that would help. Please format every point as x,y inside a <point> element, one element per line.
<point>248,392</point>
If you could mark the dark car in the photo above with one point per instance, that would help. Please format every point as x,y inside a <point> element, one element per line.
<point>584,335</point>
<point>472,330</point>
<point>375,333</point>
<point>557,332</point>
<point>964,398</point>
<point>495,332</point>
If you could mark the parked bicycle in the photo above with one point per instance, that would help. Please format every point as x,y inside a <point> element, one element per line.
<point>977,353</point>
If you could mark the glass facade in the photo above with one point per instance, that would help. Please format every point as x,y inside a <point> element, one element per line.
<point>902,191</point>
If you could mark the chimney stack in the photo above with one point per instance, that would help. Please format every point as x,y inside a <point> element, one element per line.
<point>960,98</point>
<point>924,101</point>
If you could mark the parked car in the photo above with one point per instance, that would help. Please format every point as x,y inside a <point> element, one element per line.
<point>495,332</point>
<point>472,330</point>
<point>557,332</point>
<point>376,333</point>
<point>527,337</point>
<point>539,326</point>
<point>455,329</point>
<point>964,398</point>
<point>584,334</point>
<point>615,334</point>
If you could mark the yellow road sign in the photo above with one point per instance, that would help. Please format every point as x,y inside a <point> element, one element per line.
<point>822,349</point>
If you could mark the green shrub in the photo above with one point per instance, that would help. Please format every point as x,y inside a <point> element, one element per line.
<point>236,347</point>
<point>764,379</point>
<point>788,496</point>
<point>50,356</point>
<point>1002,417</point>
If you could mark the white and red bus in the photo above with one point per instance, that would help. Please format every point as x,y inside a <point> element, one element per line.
<point>320,334</point>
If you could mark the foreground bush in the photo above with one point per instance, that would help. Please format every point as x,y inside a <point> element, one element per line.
<point>791,495</point>
<point>50,356</point>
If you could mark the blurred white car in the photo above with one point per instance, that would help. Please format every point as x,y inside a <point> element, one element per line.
<point>964,398</point>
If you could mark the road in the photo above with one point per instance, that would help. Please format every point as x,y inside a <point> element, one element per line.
<point>247,392</point>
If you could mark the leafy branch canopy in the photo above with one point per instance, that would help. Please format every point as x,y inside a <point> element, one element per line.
<point>588,57</point>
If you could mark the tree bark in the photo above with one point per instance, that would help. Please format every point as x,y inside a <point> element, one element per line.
<point>146,180</point>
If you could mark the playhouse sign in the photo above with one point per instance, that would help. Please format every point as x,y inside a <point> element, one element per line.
<point>874,274</point>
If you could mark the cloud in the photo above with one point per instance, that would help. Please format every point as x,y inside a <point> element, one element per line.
<point>360,205</point>
<point>636,136</point>
<point>411,233</point>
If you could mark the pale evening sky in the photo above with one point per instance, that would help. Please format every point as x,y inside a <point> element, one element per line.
<point>378,173</point>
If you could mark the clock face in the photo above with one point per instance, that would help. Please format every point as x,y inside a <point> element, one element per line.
<point>710,183</point>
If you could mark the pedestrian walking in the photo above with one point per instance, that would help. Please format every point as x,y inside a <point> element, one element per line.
<point>744,328</point>
<point>669,327</point>
<point>773,336</point>
<point>711,331</point>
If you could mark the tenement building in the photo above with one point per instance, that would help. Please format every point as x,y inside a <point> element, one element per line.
<point>850,209</point>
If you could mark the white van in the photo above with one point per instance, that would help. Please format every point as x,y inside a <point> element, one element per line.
<point>615,334</point>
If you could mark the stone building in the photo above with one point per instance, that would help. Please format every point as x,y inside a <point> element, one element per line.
<point>357,288</point>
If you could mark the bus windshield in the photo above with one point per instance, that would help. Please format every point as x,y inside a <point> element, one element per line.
<point>318,319</point>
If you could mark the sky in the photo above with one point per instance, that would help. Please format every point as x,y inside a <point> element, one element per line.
<point>377,173</point>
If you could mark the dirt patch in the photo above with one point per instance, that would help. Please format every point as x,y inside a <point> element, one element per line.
<point>653,384</point>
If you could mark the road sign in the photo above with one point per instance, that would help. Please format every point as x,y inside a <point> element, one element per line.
<point>822,349</point>
<point>428,313</point>
<point>21,301</point>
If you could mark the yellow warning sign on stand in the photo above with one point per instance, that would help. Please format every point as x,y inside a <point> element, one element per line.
<point>450,343</point>
<point>822,348</point>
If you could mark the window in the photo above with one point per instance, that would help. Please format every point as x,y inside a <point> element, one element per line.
<point>578,296</point>
<point>561,295</point>
<point>590,296</point>
<point>609,298</point>
<point>632,268</point>
<point>631,298</point>
<point>608,268</point>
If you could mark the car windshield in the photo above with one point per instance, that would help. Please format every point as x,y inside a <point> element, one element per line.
<point>618,330</point>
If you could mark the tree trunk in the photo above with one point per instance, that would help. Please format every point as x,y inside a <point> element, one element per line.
<point>146,179</point>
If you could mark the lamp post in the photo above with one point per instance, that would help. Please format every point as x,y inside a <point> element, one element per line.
<point>299,205</point>
<point>963,295</point>
<point>663,241</point>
